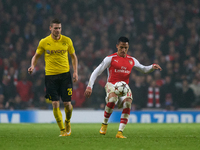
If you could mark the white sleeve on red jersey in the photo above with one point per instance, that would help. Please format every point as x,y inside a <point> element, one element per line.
<point>142,68</point>
<point>102,66</point>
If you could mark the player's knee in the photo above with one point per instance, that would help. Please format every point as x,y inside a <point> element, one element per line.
<point>128,100</point>
<point>112,95</point>
<point>55,104</point>
<point>113,99</point>
<point>67,104</point>
<point>127,104</point>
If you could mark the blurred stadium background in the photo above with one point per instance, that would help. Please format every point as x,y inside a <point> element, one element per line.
<point>164,32</point>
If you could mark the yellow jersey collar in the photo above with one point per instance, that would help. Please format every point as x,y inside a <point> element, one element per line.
<point>58,39</point>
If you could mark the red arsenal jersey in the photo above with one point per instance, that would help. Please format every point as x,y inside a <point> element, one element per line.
<point>118,68</point>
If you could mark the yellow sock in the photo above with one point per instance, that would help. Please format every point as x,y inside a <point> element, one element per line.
<point>68,114</point>
<point>58,116</point>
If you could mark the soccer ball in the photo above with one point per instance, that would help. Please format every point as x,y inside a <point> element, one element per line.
<point>121,88</point>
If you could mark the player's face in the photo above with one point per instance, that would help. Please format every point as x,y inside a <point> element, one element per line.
<point>122,48</point>
<point>55,30</point>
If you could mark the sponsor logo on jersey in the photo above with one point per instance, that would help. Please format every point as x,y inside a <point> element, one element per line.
<point>122,70</point>
<point>58,51</point>
<point>49,44</point>
<point>48,51</point>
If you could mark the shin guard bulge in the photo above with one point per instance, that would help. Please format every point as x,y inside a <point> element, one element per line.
<point>68,114</point>
<point>58,116</point>
<point>109,108</point>
<point>125,115</point>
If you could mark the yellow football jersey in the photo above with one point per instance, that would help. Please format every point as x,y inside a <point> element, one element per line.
<point>56,54</point>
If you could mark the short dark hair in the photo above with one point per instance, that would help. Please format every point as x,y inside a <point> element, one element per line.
<point>56,20</point>
<point>123,39</point>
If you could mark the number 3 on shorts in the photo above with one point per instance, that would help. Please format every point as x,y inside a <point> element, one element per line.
<point>69,91</point>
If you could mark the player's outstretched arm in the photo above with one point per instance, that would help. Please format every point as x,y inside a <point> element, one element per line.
<point>102,66</point>
<point>33,62</point>
<point>88,92</point>
<point>156,66</point>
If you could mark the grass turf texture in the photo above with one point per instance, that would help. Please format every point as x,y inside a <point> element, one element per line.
<point>87,137</point>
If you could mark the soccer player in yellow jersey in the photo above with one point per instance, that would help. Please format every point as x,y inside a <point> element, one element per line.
<point>58,80</point>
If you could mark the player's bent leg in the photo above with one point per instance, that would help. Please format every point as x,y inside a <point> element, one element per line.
<point>68,112</point>
<point>58,116</point>
<point>112,99</point>
<point>124,117</point>
<point>108,111</point>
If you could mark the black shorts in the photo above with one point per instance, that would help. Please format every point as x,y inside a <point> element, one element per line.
<point>59,86</point>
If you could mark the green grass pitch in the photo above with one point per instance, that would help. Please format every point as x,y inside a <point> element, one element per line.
<point>87,137</point>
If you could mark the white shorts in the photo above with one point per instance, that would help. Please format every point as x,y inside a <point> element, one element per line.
<point>109,87</point>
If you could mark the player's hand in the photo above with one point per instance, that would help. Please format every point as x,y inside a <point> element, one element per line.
<point>75,77</point>
<point>156,66</point>
<point>30,69</point>
<point>88,92</point>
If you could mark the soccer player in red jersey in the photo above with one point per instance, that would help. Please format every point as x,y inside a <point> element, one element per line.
<point>119,66</point>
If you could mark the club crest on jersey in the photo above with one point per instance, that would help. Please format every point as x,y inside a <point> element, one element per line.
<point>64,43</point>
<point>48,51</point>
<point>131,62</point>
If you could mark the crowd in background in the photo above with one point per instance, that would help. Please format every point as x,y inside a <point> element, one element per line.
<point>164,32</point>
